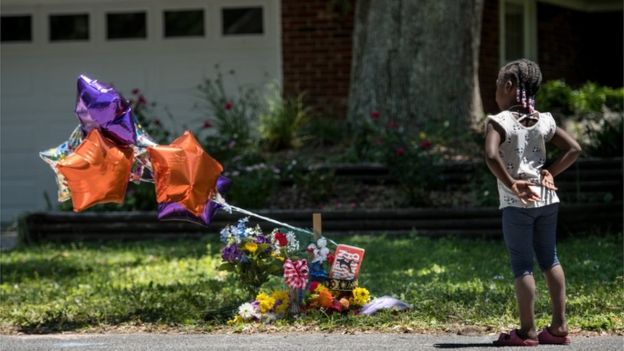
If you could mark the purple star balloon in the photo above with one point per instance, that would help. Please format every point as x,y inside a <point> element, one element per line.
<point>176,212</point>
<point>99,105</point>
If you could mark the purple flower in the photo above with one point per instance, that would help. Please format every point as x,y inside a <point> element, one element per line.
<point>261,239</point>
<point>231,253</point>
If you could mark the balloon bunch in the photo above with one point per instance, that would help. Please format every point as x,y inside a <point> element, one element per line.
<point>109,149</point>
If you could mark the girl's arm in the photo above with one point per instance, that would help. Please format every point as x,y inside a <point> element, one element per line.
<point>495,164</point>
<point>493,139</point>
<point>571,149</point>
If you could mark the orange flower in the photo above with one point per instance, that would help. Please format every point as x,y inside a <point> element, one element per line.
<point>325,299</point>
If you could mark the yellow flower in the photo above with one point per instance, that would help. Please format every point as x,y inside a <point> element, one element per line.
<point>236,320</point>
<point>267,305</point>
<point>277,256</point>
<point>320,288</point>
<point>265,302</point>
<point>284,300</point>
<point>422,135</point>
<point>250,247</point>
<point>280,295</point>
<point>261,297</point>
<point>361,296</point>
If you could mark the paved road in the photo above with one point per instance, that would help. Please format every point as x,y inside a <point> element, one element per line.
<point>293,341</point>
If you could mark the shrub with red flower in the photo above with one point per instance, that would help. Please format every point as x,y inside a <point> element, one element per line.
<point>228,105</point>
<point>405,151</point>
<point>425,145</point>
<point>392,125</point>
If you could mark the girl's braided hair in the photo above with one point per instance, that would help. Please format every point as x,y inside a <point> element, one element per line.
<point>527,77</point>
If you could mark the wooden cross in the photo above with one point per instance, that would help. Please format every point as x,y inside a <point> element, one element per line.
<point>317,225</point>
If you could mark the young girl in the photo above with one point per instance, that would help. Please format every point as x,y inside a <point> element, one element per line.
<point>516,152</point>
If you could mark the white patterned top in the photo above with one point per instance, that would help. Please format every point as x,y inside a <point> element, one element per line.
<point>524,153</point>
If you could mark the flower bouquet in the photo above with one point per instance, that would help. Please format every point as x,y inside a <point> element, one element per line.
<point>314,278</point>
<point>254,256</point>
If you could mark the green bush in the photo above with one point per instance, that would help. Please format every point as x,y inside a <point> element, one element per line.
<point>144,114</point>
<point>607,140</point>
<point>592,114</point>
<point>233,117</point>
<point>555,95</point>
<point>280,126</point>
<point>413,162</point>
<point>314,183</point>
<point>253,185</point>
<point>324,132</point>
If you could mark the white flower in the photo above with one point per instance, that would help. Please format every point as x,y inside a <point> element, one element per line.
<point>225,235</point>
<point>293,243</point>
<point>321,242</point>
<point>247,311</point>
<point>324,251</point>
<point>319,250</point>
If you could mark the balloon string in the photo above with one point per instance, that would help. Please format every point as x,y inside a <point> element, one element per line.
<point>229,208</point>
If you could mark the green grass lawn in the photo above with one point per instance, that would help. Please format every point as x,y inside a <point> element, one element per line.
<point>452,283</point>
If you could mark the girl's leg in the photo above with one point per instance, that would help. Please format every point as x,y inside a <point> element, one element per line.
<point>555,279</point>
<point>544,242</point>
<point>518,233</point>
<point>525,293</point>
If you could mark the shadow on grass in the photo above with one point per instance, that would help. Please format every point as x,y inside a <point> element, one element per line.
<point>73,259</point>
<point>155,303</point>
<point>17,272</point>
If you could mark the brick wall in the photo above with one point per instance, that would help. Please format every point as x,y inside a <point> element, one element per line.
<point>559,42</point>
<point>578,46</point>
<point>603,51</point>
<point>316,53</point>
<point>317,42</point>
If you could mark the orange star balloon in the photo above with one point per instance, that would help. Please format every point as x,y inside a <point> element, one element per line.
<point>184,173</point>
<point>97,172</point>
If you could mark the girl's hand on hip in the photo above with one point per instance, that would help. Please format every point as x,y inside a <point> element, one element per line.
<point>548,181</point>
<point>523,191</point>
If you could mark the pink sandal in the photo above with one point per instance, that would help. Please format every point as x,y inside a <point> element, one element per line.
<point>513,339</point>
<point>546,337</point>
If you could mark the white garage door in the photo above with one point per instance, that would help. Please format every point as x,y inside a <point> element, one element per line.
<point>163,48</point>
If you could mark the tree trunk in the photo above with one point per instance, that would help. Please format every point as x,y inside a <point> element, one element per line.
<point>416,62</point>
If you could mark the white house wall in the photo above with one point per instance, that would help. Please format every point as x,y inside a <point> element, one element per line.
<point>39,79</point>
